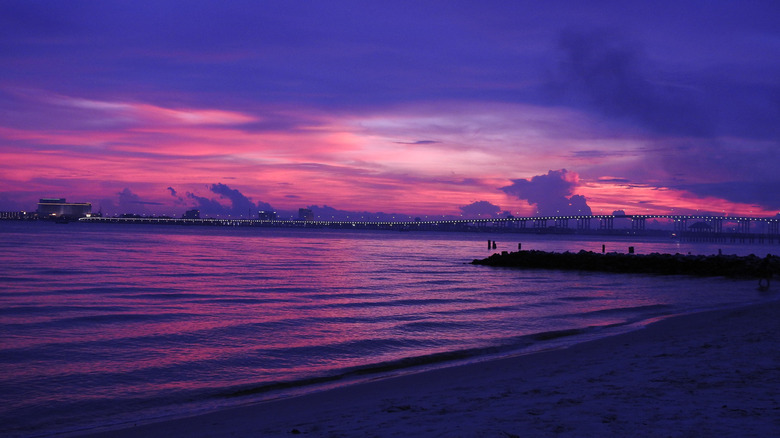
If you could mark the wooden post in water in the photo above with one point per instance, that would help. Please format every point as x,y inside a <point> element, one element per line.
<point>603,249</point>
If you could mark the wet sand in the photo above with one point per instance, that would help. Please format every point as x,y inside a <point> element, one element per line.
<point>708,374</point>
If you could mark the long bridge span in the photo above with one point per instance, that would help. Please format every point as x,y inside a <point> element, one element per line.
<point>605,223</point>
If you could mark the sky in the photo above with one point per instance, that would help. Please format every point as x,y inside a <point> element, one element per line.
<point>409,107</point>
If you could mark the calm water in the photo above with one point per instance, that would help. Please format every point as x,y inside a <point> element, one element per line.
<point>107,324</point>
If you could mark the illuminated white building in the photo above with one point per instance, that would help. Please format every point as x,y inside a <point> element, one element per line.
<point>59,208</point>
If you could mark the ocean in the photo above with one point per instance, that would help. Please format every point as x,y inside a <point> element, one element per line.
<point>107,325</point>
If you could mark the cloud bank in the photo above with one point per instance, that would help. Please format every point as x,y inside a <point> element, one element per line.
<point>239,206</point>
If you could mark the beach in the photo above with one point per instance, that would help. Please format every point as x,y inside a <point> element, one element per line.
<point>714,373</point>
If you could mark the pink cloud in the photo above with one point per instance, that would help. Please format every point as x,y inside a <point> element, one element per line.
<point>646,199</point>
<point>418,159</point>
<point>132,112</point>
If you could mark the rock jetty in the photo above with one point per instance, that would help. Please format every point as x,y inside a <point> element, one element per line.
<point>678,264</point>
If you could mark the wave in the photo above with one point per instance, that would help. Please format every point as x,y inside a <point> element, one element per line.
<point>509,346</point>
<point>404,302</point>
<point>429,326</point>
<point>16,279</point>
<point>171,296</point>
<point>50,310</point>
<point>653,308</point>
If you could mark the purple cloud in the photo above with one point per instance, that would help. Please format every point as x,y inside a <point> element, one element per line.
<point>483,209</point>
<point>130,202</point>
<point>550,193</point>
<point>239,206</point>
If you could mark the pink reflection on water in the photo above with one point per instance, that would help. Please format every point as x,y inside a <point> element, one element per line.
<point>223,307</point>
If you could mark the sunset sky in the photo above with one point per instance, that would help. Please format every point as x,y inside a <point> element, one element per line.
<point>414,107</point>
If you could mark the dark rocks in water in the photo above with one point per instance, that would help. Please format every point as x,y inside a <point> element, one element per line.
<point>678,264</point>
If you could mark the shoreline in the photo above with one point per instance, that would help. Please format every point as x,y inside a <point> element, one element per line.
<point>695,374</point>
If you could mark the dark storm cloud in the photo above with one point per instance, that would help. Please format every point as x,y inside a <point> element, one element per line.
<point>480,209</point>
<point>130,202</point>
<point>208,207</point>
<point>175,194</point>
<point>240,205</point>
<point>550,193</point>
<point>607,70</point>
<point>610,71</point>
<point>718,110</point>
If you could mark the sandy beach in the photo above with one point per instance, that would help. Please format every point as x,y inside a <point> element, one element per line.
<point>708,374</point>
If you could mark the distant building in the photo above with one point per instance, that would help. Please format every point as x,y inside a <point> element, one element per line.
<point>266,215</point>
<point>16,215</point>
<point>58,208</point>
<point>191,214</point>
<point>305,214</point>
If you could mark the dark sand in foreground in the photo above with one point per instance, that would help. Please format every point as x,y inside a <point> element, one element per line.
<point>708,374</point>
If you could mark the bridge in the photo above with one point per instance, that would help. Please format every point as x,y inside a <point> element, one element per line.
<point>705,224</point>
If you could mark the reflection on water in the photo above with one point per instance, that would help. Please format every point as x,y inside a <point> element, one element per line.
<point>96,317</point>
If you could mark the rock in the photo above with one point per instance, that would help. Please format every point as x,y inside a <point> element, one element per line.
<point>707,266</point>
